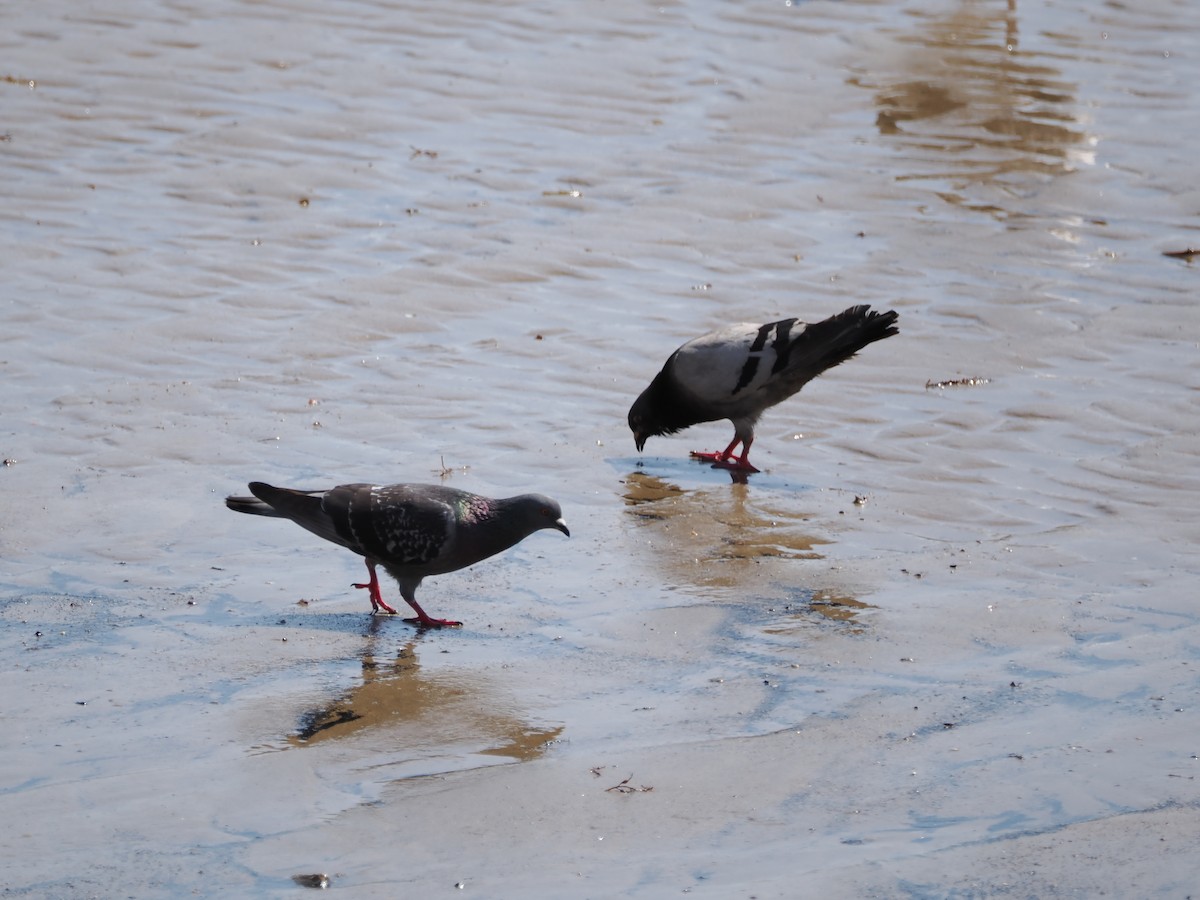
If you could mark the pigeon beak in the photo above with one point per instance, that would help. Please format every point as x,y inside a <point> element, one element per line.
<point>562,526</point>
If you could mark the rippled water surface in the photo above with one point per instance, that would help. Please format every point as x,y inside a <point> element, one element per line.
<point>945,644</point>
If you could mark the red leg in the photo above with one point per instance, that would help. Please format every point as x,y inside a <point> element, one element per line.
<point>740,463</point>
<point>424,620</point>
<point>721,457</point>
<point>726,459</point>
<point>373,586</point>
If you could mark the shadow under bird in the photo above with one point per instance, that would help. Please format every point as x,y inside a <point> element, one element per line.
<point>412,530</point>
<point>739,371</point>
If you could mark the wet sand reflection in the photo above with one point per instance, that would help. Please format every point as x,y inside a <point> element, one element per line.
<point>718,538</point>
<point>432,709</point>
<point>825,607</point>
<point>971,105</point>
<point>720,523</point>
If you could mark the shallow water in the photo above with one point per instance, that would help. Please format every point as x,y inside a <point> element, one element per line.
<point>945,644</point>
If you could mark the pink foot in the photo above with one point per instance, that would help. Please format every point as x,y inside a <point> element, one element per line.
<point>726,459</point>
<point>377,602</point>
<point>424,620</point>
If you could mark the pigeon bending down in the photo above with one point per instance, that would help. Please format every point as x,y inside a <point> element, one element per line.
<point>412,530</point>
<point>739,371</point>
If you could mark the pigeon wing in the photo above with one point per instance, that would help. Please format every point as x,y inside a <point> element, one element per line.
<point>740,370</point>
<point>727,369</point>
<point>399,525</point>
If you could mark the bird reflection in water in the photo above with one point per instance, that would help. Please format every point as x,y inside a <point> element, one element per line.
<point>714,534</point>
<point>434,709</point>
<point>975,108</point>
<point>720,537</point>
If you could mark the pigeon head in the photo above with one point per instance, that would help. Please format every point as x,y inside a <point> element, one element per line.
<point>659,410</point>
<point>639,422</point>
<point>536,512</point>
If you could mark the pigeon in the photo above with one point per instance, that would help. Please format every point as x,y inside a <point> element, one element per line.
<point>739,371</point>
<point>412,530</point>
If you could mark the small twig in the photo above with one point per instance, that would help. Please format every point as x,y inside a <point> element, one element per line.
<point>626,788</point>
<point>957,382</point>
<point>446,471</point>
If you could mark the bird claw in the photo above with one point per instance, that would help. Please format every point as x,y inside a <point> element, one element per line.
<point>723,461</point>
<point>421,620</point>
<point>377,602</point>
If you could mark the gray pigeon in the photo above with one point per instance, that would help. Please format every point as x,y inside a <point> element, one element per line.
<point>739,371</point>
<point>412,530</point>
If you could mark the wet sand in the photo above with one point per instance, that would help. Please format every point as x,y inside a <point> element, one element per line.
<point>944,645</point>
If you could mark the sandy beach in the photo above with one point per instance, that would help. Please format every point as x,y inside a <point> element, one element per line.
<point>945,644</point>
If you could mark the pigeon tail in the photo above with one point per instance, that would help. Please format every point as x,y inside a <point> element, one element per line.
<point>280,503</point>
<point>253,506</point>
<point>828,343</point>
<point>287,502</point>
